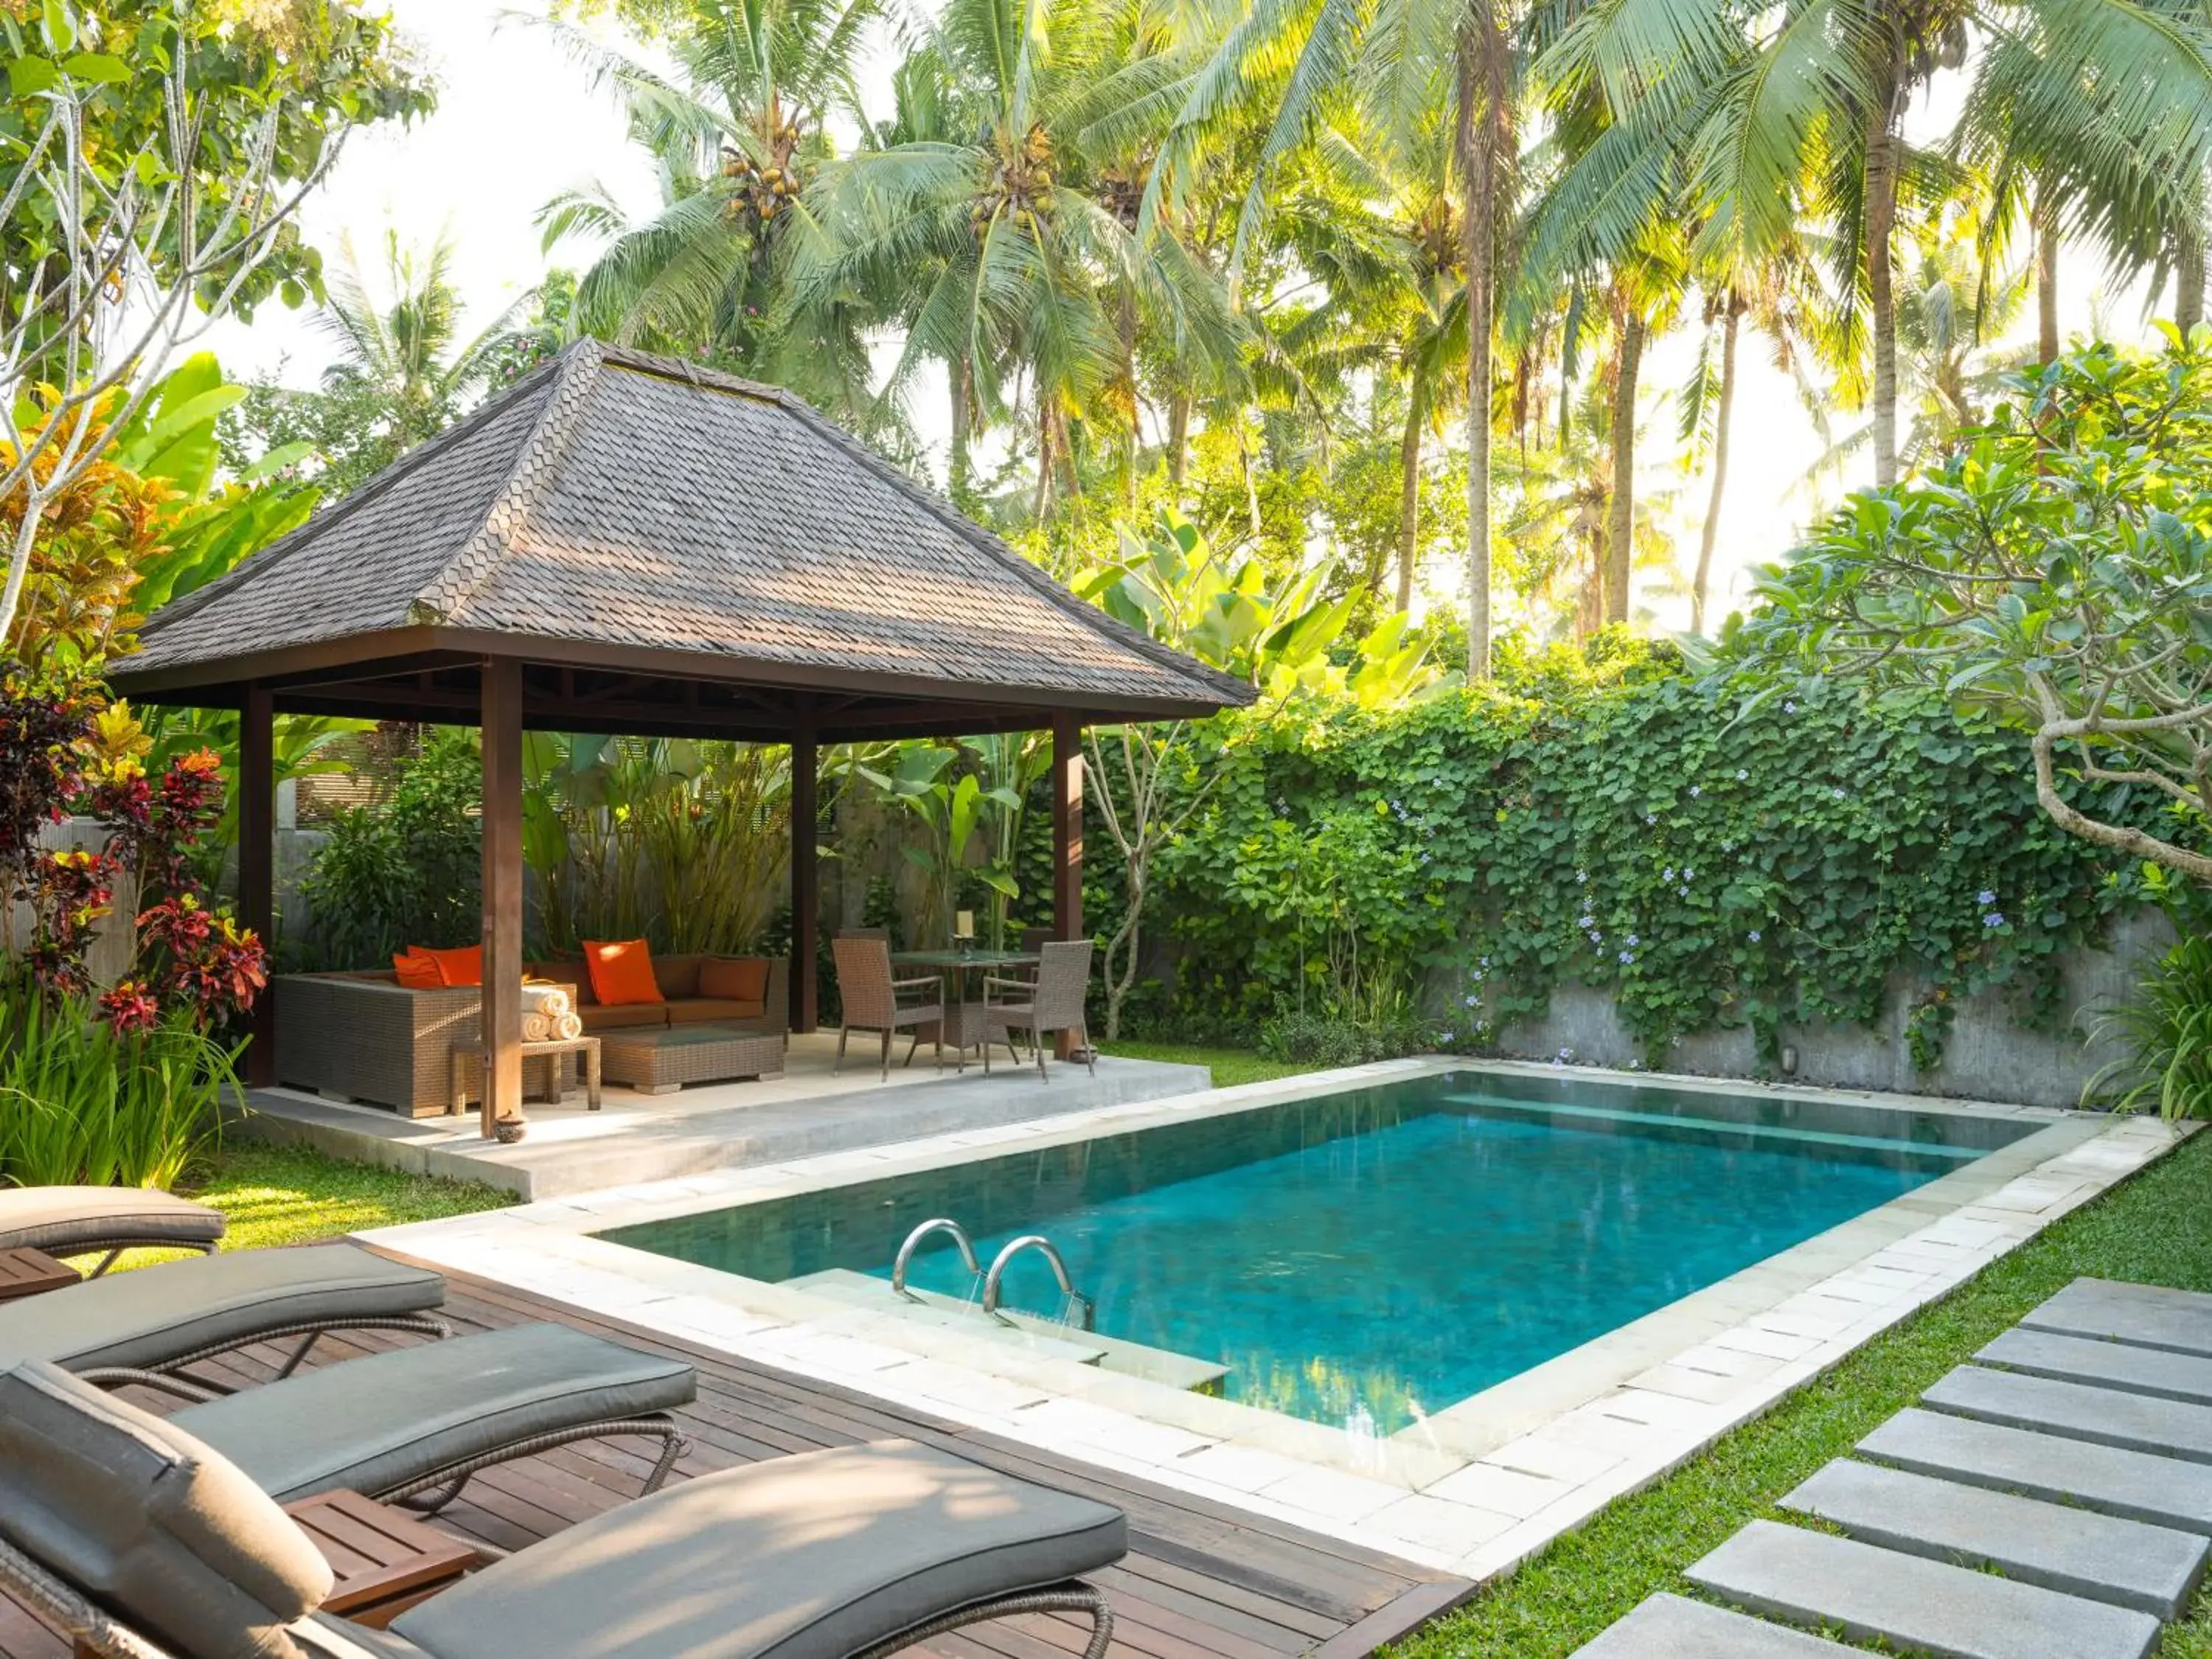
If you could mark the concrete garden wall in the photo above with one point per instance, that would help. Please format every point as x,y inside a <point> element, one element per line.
<point>1988,1055</point>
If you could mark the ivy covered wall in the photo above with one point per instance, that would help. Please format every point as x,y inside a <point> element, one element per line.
<point>1612,825</point>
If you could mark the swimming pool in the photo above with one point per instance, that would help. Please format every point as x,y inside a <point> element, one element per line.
<point>1365,1259</point>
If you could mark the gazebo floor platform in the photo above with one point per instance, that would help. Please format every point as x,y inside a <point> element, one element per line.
<point>637,1137</point>
<point>1200,1581</point>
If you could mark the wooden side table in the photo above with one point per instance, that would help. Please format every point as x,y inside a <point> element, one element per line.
<point>468,1059</point>
<point>26,1272</point>
<point>386,1560</point>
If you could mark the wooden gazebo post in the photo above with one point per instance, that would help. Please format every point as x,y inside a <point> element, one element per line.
<point>257,856</point>
<point>502,729</point>
<point>805,883</point>
<point>1067,840</point>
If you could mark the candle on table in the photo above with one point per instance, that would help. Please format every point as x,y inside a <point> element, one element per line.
<point>963,924</point>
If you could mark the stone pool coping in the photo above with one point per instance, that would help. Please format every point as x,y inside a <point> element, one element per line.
<point>1472,1489</point>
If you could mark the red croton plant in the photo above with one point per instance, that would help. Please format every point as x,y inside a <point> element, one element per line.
<point>59,756</point>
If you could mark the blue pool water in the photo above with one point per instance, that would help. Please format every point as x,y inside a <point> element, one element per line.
<point>1363,1258</point>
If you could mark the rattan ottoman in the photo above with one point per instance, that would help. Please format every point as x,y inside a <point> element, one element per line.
<point>658,1060</point>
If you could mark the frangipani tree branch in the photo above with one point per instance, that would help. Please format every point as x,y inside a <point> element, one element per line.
<point>142,269</point>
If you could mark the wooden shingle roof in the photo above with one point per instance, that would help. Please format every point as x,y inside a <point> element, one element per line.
<point>650,535</point>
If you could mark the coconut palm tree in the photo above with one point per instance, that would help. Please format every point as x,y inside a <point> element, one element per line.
<point>1811,121</point>
<point>736,134</point>
<point>1008,220</point>
<point>1409,66</point>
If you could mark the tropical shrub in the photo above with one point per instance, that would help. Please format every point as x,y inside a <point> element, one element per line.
<point>685,844</point>
<point>409,872</point>
<point>82,1102</point>
<point>2166,1030</point>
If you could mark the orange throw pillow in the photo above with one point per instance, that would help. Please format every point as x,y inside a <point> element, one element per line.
<point>738,979</point>
<point>460,966</point>
<point>416,972</point>
<point>621,971</point>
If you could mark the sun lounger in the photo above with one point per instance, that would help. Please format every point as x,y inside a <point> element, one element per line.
<point>423,1418</point>
<point>65,1221</point>
<point>140,1541</point>
<point>160,1319</point>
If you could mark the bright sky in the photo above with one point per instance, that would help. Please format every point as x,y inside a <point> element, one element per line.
<point>516,124</point>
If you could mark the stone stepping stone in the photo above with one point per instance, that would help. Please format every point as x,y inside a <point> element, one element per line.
<point>2140,1422</point>
<point>2135,1485</point>
<point>2106,1364</point>
<point>2178,1321</point>
<point>2152,1569</point>
<point>1675,1627</point>
<point>1815,1579</point>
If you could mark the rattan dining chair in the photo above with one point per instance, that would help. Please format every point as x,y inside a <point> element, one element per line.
<point>1053,1001</point>
<point>874,1001</point>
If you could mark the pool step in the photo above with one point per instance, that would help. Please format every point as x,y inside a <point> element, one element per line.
<point>1026,1331</point>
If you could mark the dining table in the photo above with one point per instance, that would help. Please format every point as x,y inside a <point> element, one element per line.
<point>955,965</point>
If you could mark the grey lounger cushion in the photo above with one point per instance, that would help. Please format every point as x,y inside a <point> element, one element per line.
<point>814,1556</point>
<point>64,1220</point>
<point>156,1316</point>
<point>386,1419</point>
<point>175,1541</point>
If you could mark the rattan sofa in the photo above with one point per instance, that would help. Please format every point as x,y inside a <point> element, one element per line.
<point>365,1038</point>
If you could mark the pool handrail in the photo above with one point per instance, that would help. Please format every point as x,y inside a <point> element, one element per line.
<point>1039,1243</point>
<point>937,1224</point>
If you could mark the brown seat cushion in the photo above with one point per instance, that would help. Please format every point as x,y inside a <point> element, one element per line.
<point>701,1011</point>
<point>677,976</point>
<point>143,1517</point>
<point>600,1016</point>
<point>735,979</point>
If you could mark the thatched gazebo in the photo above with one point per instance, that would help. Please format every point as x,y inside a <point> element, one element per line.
<point>626,543</point>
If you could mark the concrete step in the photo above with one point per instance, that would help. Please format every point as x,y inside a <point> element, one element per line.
<point>1675,1627</point>
<point>2136,1486</point>
<point>2109,1417</point>
<point>1814,1578</point>
<point>2106,1363</point>
<point>2178,1321</point>
<point>2154,1570</point>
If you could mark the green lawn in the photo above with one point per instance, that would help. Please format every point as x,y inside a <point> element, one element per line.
<point>2157,1228</point>
<point>1230,1066</point>
<point>288,1195</point>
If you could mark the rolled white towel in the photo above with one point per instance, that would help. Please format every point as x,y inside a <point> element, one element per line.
<point>546,999</point>
<point>537,1028</point>
<point>569,1026</point>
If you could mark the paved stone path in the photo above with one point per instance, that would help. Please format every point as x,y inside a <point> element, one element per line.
<point>2050,1500</point>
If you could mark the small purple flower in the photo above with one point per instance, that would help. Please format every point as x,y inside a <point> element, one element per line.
<point>1788,707</point>
<point>1668,874</point>
<point>1754,936</point>
<point>1471,999</point>
<point>1837,793</point>
<point>1696,790</point>
<point>1688,874</point>
<point>1582,877</point>
<point>1586,923</point>
<point>1741,776</point>
<point>1485,961</point>
<point>1985,897</point>
<point>1633,940</point>
<point>1651,817</point>
<point>1994,919</point>
<point>1627,957</point>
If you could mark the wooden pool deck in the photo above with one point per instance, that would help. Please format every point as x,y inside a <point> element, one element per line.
<point>1201,1581</point>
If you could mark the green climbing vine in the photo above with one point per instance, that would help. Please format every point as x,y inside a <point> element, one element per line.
<point>1602,820</point>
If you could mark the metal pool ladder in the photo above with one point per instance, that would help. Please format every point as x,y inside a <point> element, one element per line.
<point>1077,1304</point>
<point>939,1224</point>
<point>1079,1307</point>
